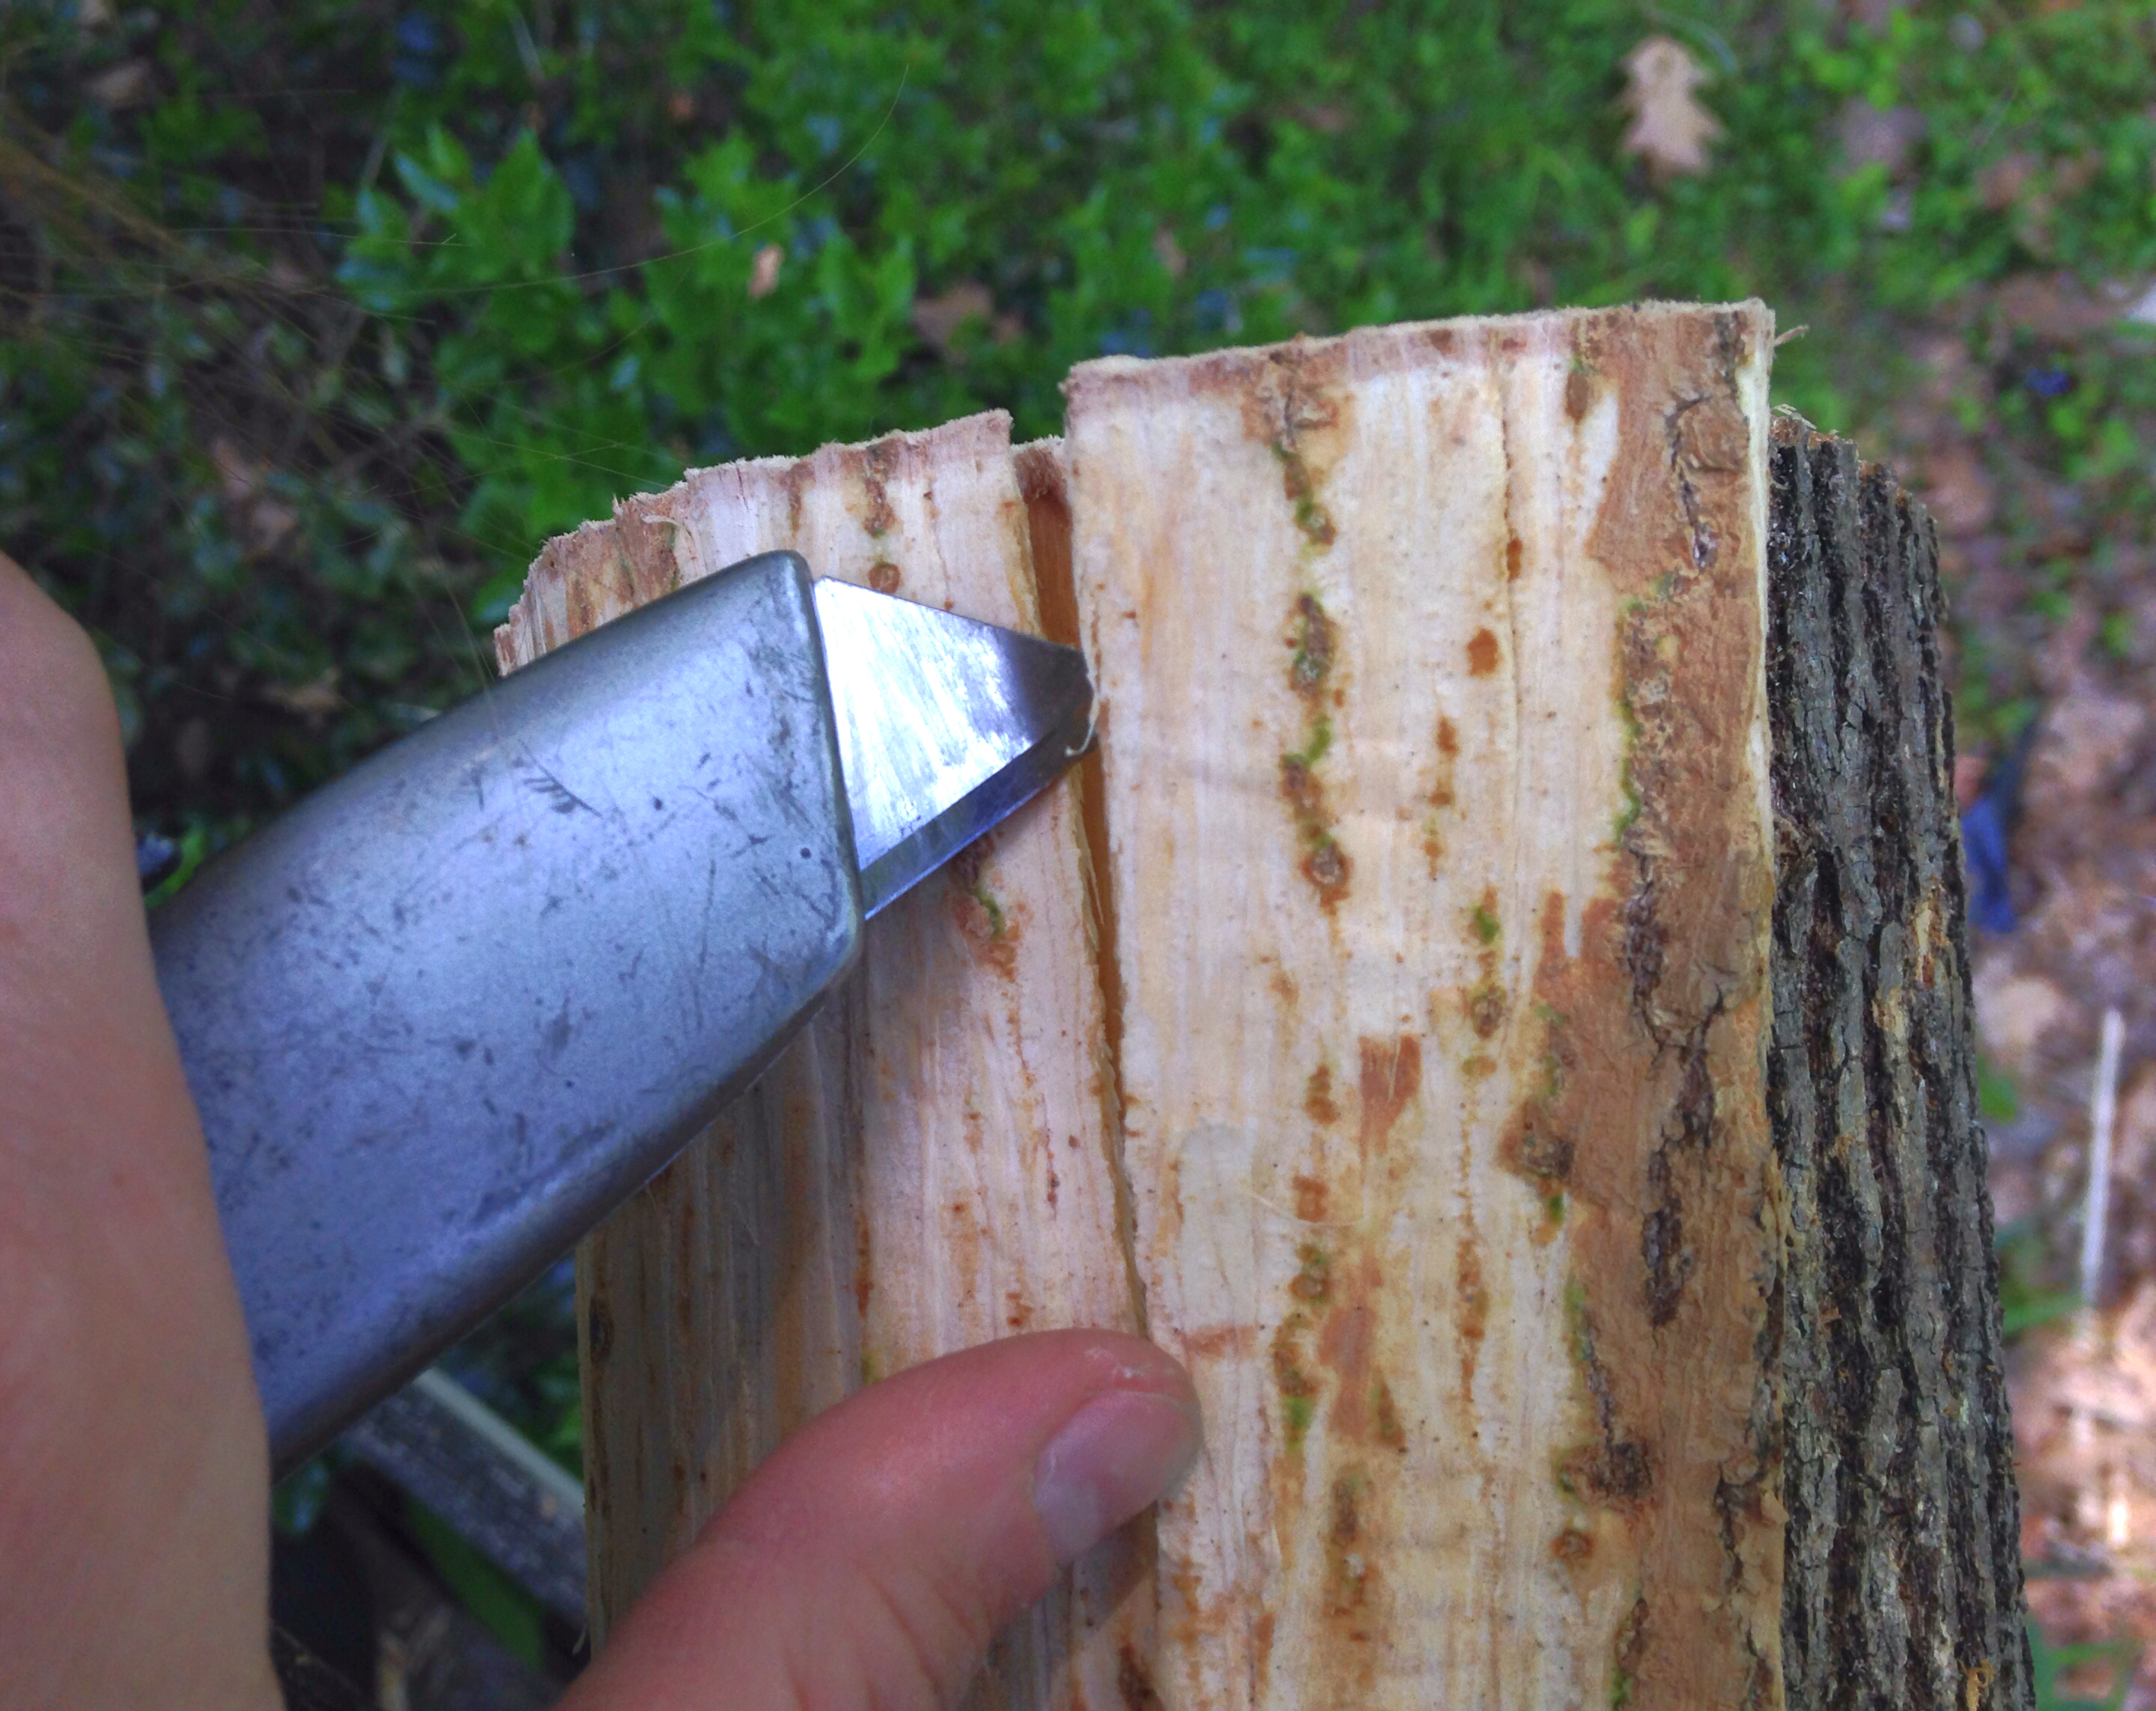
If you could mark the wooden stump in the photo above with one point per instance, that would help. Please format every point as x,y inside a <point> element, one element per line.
<point>1526,1069</point>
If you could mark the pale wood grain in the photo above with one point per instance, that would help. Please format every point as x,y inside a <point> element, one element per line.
<point>1433,731</point>
<point>930,1166</point>
<point>1430,823</point>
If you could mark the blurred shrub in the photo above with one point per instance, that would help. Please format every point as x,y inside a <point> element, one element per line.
<point>315,319</point>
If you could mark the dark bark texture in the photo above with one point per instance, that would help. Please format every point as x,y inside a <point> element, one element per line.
<point>1903,1585</point>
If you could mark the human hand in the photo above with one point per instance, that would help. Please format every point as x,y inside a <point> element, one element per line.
<point>866,1563</point>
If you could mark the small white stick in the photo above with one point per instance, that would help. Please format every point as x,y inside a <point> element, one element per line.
<point>2103,1105</point>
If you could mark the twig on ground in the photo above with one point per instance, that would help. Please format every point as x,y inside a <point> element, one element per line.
<point>2103,1106</point>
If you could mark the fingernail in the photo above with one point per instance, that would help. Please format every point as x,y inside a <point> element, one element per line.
<point>1112,1457</point>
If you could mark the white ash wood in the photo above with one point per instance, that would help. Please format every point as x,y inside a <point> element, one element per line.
<point>1432,729</point>
<point>929,1168</point>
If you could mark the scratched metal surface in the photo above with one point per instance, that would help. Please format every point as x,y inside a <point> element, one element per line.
<point>414,1099</point>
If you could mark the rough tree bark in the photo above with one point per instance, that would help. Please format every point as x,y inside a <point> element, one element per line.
<point>1902,1571</point>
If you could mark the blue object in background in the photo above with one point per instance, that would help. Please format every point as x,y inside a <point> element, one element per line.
<point>2049,383</point>
<point>418,51</point>
<point>1985,825</point>
<point>155,857</point>
<point>1984,857</point>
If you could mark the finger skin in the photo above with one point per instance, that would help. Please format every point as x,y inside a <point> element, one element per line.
<point>134,1526</point>
<point>869,1561</point>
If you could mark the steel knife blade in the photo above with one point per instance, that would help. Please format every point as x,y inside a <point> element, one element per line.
<point>449,1011</point>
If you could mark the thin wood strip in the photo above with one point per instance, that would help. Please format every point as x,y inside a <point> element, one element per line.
<point>930,1166</point>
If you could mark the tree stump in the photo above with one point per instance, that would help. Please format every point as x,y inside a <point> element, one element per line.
<point>1515,1043</point>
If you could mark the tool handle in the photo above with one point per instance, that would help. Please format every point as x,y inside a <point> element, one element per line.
<point>448,1013</point>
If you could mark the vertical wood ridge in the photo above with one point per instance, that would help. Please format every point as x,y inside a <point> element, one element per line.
<point>1044,477</point>
<point>1902,1584</point>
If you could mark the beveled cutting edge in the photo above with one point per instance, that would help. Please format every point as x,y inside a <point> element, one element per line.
<point>946,725</point>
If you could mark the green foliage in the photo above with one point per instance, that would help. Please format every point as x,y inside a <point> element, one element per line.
<point>307,349</point>
<point>296,1500</point>
<point>2050,1665</point>
<point>307,343</point>
<point>2027,1296</point>
<point>1998,1099</point>
<point>512,1615</point>
<point>572,390</point>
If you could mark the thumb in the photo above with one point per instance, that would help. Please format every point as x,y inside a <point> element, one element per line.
<point>868,1562</point>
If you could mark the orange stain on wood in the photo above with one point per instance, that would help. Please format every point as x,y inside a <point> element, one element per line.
<point>1317,1101</point>
<point>1391,1076</point>
<point>1642,1098</point>
<point>1311,1199</point>
<point>1471,1306</point>
<point>1218,1342</point>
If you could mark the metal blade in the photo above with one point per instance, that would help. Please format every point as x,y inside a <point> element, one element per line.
<point>945,726</point>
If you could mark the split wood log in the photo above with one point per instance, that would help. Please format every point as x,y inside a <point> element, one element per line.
<point>927,1168</point>
<point>1579,1241</point>
<point>1443,939</point>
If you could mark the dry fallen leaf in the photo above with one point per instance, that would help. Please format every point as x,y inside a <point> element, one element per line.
<point>313,701</point>
<point>2051,305</point>
<point>1669,129</point>
<point>2000,185</point>
<point>763,272</point>
<point>2015,1011</point>
<point>126,85</point>
<point>239,476</point>
<point>2088,737</point>
<point>938,319</point>
<point>261,522</point>
<point>1957,489</point>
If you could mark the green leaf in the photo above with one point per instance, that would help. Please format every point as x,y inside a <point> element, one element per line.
<point>509,1612</point>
